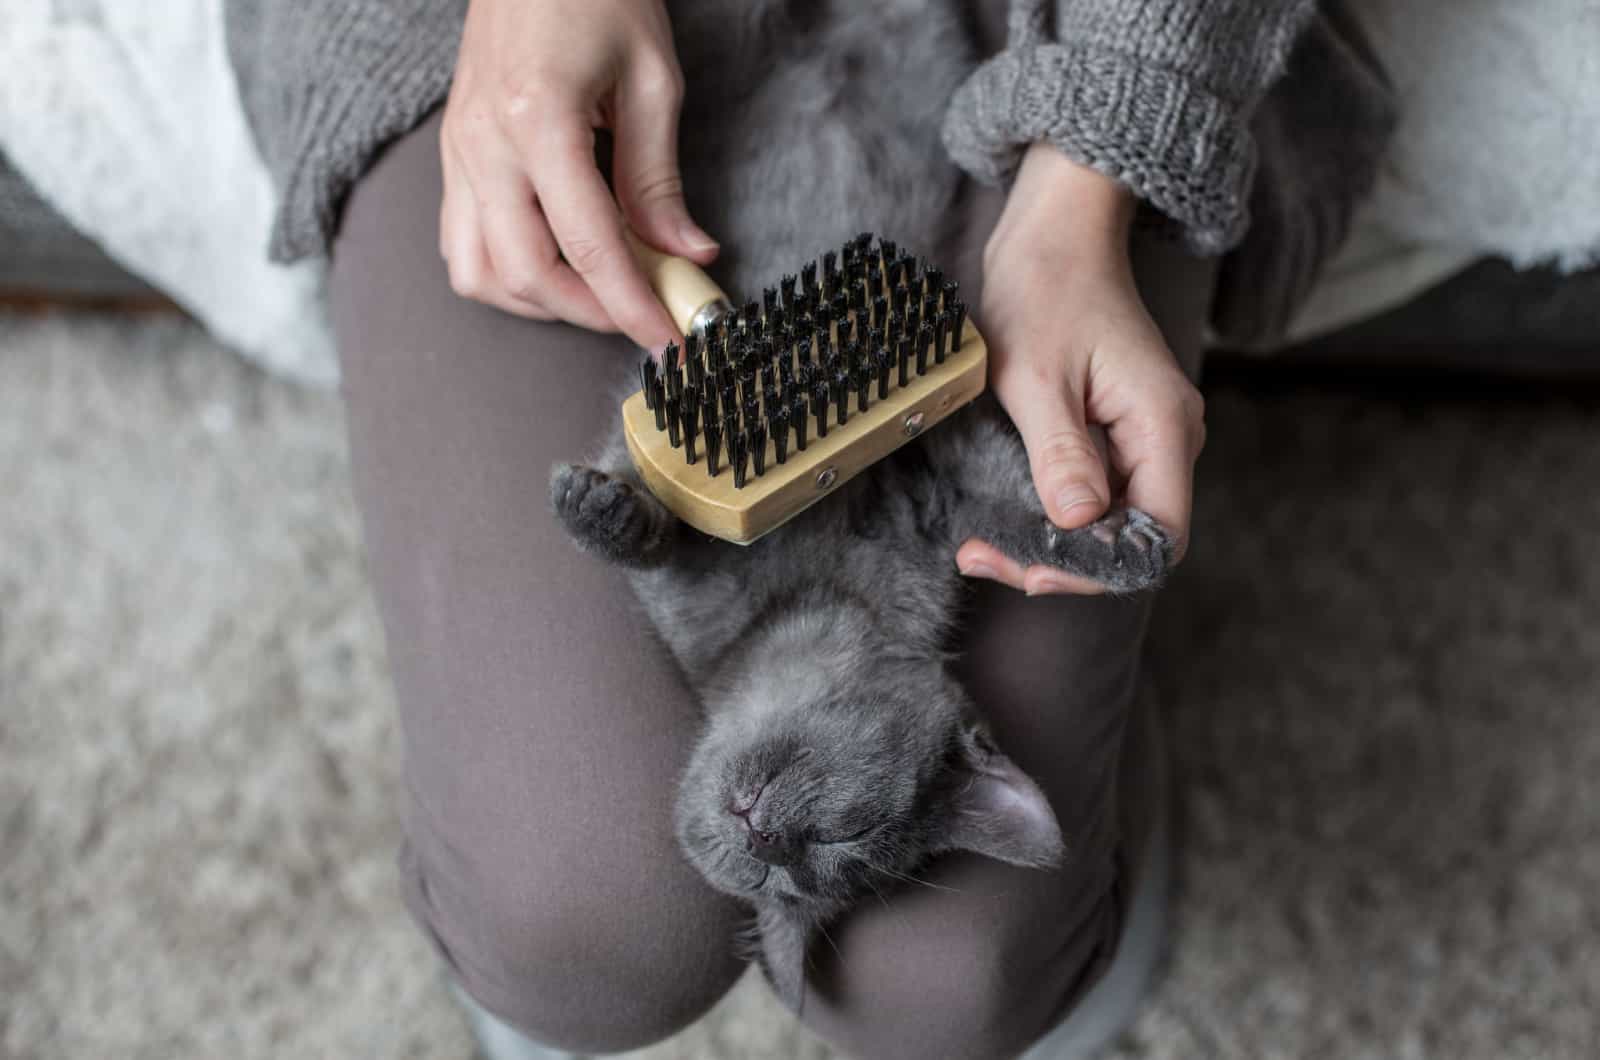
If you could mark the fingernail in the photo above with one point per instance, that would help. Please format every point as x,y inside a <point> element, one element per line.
<point>1075,497</point>
<point>694,236</point>
<point>978,570</point>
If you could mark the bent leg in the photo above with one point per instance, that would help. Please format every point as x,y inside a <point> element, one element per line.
<point>981,958</point>
<point>544,725</point>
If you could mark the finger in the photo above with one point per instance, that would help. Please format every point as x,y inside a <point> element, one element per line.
<point>526,262</point>
<point>467,261</point>
<point>1067,468</point>
<point>645,165</point>
<point>587,226</point>
<point>1157,453</point>
<point>977,558</point>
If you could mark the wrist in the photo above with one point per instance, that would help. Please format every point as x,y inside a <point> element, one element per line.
<point>1054,193</point>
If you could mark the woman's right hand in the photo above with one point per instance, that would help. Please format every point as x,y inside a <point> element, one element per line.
<point>527,222</point>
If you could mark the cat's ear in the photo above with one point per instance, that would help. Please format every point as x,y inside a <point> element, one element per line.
<point>784,939</point>
<point>997,810</point>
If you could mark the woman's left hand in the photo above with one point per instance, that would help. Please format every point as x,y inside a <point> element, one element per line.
<point>1073,351</point>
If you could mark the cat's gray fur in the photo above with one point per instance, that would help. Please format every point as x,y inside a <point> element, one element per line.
<point>820,655</point>
<point>803,127</point>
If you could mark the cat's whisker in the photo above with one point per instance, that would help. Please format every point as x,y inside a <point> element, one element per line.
<point>830,941</point>
<point>913,879</point>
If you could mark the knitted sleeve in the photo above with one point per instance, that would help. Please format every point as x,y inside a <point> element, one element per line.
<point>1156,93</point>
<point>326,85</point>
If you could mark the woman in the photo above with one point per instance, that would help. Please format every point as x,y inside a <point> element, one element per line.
<point>483,296</point>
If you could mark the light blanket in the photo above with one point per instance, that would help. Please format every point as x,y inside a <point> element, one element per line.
<point>127,119</point>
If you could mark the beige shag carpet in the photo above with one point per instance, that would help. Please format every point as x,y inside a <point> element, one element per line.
<point>1382,662</point>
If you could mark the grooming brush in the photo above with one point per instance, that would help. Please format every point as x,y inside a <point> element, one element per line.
<point>764,410</point>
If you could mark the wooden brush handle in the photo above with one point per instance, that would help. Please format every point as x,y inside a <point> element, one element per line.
<point>682,286</point>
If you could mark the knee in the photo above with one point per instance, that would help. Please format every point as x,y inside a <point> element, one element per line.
<point>982,983</point>
<point>573,969</point>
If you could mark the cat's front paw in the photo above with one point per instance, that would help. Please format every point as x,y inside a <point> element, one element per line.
<point>608,515</point>
<point>1126,550</point>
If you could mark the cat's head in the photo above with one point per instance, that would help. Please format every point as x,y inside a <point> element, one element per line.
<point>819,800</point>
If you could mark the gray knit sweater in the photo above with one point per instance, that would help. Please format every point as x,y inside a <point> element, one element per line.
<point>1212,111</point>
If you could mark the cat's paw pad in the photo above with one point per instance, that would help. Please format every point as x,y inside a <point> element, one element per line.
<point>605,514</point>
<point>1125,551</point>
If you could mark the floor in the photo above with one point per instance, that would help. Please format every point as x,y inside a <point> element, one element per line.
<point>1381,662</point>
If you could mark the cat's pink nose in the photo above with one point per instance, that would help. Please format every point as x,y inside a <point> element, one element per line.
<point>775,848</point>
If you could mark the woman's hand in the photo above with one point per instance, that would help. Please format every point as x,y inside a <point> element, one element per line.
<point>527,222</point>
<point>1073,351</point>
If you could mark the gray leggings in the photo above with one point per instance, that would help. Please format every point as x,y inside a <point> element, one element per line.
<point>544,727</point>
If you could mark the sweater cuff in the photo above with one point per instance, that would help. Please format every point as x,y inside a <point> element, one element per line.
<point>1184,150</point>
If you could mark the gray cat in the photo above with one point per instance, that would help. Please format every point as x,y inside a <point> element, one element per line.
<point>839,753</point>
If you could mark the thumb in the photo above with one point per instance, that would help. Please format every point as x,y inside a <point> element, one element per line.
<point>1068,469</point>
<point>645,171</point>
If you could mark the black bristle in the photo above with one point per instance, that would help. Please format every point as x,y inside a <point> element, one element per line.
<point>670,357</point>
<point>898,295</point>
<point>924,341</point>
<point>819,406</point>
<point>933,280</point>
<point>780,433</point>
<point>659,404</point>
<point>888,249</point>
<point>713,448</point>
<point>941,328</point>
<point>808,278</point>
<point>797,416</point>
<point>647,376</point>
<point>958,324</point>
<point>863,382</point>
<point>758,446</point>
<point>787,285</point>
<point>841,396</point>
<point>691,414</point>
<point>739,458</point>
<point>903,359</point>
<point>769,302</point>
<point>880,312</point>
<point>830,265</point>
<point>673,435</point>
<point>882,362</point>
<point>952,290</point>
